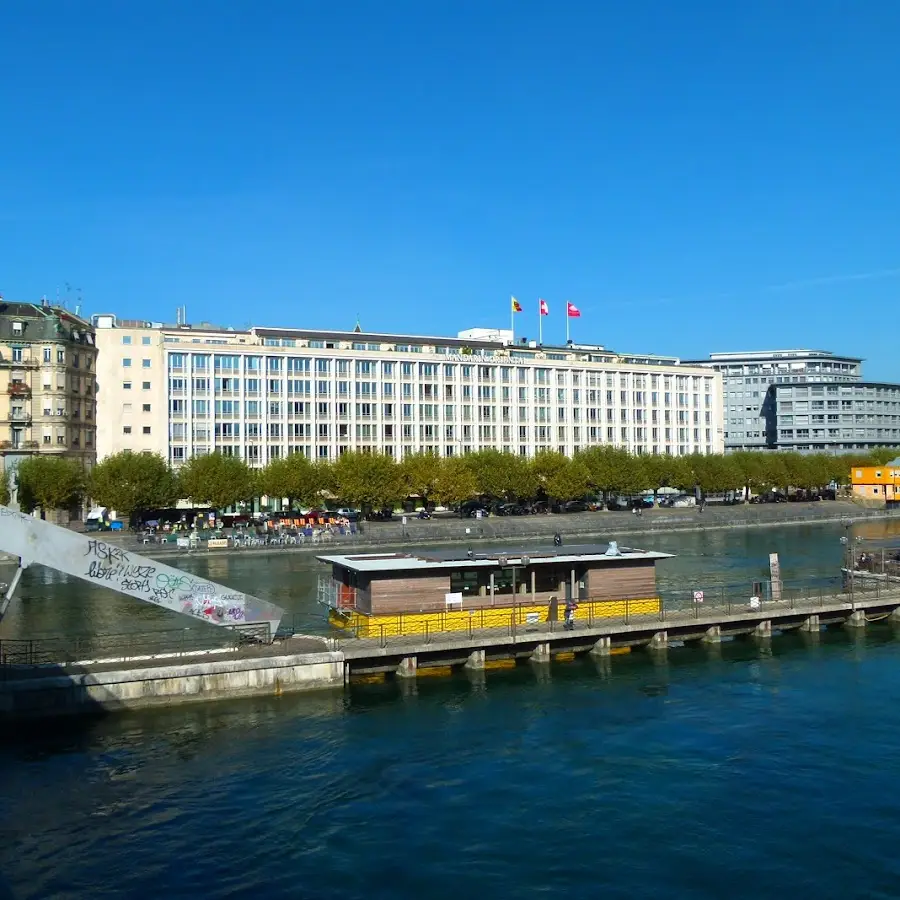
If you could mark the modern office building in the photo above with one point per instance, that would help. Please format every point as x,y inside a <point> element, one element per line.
<point>750,417</point>
<point>822,416</point>
<point>264,393</point>
<point>47,382</point>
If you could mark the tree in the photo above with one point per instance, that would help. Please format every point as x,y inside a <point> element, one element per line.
<point>368,480</point>
<point>4,488</point>
<point>502,476</point>
<point>129,481</point>
<point>296,478</point>
<point>420,473</point>
<point>716,474</point>
<point>50,483</point>
<point>218,480</point>
<point>612,470</point>
<point>456,481</point>
<point>570,481</point>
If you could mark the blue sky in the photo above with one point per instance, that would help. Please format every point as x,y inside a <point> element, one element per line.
<point>694,175</point>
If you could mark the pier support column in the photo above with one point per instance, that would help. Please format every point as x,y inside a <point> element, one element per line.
<point>407,667</point>
<point>713,635</point>
<point>602,647</point>
<point>764,629</point>
<point>659,641</point>
<point>541,653</point>
<point>857,619</point>
<point>895,615</point>
<point>475,660</point>
<point>811,624</point>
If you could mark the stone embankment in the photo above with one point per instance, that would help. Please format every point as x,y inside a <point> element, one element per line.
<point>572,526</point>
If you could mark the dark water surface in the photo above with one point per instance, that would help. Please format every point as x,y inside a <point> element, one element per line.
<point>739,771</point>
<point>743,771</point>
<point>49,603</point>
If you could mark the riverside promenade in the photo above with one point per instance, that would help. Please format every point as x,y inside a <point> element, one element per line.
<point>448,529</point>
<point>46,682</point>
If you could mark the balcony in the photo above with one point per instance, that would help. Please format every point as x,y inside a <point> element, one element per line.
<point>19,364</point>
<point>19,417</point>
<point>18,389</point>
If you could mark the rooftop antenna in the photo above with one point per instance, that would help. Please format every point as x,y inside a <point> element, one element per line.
<point>358,329</point>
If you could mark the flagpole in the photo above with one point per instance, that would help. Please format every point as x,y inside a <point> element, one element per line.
<point>540,326</point>
<point>512,320</point>
<point>567,324</point>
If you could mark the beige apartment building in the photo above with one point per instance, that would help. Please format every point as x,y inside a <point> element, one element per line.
<point>47,383</point>
<point>184,390</point>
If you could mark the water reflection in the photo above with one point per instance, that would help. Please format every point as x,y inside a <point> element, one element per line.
<point>49,603</point>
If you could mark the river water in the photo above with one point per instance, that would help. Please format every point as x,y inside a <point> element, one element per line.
<point>744,770</point>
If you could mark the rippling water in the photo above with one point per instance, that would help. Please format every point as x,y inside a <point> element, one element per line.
<point>740,771</point>
<point>50,603</point>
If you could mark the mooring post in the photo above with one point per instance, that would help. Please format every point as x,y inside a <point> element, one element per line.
<point>407,668</point>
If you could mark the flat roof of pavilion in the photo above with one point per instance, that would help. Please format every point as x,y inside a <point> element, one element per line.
<point>456,558</point>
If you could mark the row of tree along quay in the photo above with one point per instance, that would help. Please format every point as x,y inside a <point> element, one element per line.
<point>129,482</point>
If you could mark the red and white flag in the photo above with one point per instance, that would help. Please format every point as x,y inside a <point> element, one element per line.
<point>572,311</point>
<point>545,310</point>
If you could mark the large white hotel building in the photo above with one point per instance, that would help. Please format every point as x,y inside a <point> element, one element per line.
<point>263,393</point>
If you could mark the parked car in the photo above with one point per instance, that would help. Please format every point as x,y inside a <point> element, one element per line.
<point>471,508</point>
<point>380,515</point>
<point>571,506</point>
<point>511,509</point>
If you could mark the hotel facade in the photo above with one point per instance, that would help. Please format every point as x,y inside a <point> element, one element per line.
<point>264,393</point>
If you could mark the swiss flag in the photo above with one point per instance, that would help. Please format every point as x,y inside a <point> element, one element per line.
<point>572,311</point>
<point>545,310</point>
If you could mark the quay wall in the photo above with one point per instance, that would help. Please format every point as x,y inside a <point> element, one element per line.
<point>51,691</point>
<point>572,526</point>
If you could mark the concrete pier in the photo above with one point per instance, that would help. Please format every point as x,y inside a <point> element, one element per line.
<point>475,660</point>
<point>659,641</point>
<point>812,624</point>
<point>50,690</point>
<point>408,667</point>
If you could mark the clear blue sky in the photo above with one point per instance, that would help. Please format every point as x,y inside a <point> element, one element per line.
<point>694,175</point>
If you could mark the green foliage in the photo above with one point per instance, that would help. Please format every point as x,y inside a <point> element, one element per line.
<point>4,488</point>
<point>614,471</point>
<point>368,480</point>
<point>218,480</point>
<point>50,482</point>
<point>128,481</point>
<point>296,478</point>
<point>420,473</point>
<point>502,476</point>
<point>456,481</point>
<point>571,481</point>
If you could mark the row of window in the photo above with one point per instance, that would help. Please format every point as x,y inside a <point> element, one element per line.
<point>179,362</point>
<point>257,454</point>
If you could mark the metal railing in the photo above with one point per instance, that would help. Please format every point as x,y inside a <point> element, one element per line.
<point>572,526</point>
<point>126,647</point>
<point>671,607</point>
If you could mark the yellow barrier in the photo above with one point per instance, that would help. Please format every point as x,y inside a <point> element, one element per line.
<point>364,626</point>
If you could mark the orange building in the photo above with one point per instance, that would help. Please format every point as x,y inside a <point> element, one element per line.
<point>879,483</point>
